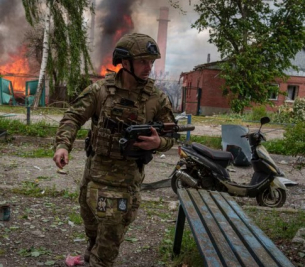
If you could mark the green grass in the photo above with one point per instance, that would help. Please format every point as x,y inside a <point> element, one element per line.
<point>189,254</point>
<point>32,189</point>
<point>34,252</point>
<point>75,218</point>
<point>40,110</point>
<point>38,129</point>
<point>278,225</point>
<point>153,208</point>
<point>210,141</point>
<point>37,153</point>
<point>276,146</point>
<point>16,127</point>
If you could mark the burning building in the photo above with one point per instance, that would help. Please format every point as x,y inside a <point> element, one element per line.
<point>14,65</point>
<point>113,19</point>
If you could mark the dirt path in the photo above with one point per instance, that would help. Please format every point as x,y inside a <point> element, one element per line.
<point>42,231</point>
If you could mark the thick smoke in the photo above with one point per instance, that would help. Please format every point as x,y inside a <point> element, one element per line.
<point>113,20</point>
<point>12,28</point>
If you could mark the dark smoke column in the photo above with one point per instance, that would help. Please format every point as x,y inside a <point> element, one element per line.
<point>162,39</point>
<point>113,24</point>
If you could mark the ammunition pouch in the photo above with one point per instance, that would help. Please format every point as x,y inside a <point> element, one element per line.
<point>107,144</point>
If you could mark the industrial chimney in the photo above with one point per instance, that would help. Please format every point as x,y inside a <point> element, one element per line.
<point>161,40</point>
<point>209,58</point>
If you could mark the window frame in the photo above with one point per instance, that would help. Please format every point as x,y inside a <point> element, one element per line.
<point>276,94</point>
<point>295,92</point>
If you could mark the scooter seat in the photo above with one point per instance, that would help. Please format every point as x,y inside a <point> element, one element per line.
<point>212,153</point>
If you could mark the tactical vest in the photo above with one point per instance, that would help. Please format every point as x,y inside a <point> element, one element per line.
<point>117,107</point>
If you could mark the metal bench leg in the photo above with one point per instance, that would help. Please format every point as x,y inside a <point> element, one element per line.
<point>179,231</point>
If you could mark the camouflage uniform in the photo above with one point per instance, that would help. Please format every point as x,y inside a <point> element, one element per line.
<point>109,191</point>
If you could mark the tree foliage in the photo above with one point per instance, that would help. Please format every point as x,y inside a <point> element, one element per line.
<point>294,142</point>
<point>257,40</point>
<point>69,58</point>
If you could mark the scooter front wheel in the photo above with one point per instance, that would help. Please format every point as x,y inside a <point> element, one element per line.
<point>273,199</point>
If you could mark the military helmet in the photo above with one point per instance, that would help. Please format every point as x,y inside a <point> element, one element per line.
<point>134,46</point>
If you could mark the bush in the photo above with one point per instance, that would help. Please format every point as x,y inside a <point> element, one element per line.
<point>276,146</point>
<point>288,113</point>
<point>284,114</point>
<point>258,112</point>
<point>299,109</point>
<point>294,139</point>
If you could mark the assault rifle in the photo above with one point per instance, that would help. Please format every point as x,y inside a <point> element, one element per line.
<point>131,134</point>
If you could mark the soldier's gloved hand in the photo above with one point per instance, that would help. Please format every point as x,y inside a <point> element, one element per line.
<point>61,158</point>
<point>149,142</point>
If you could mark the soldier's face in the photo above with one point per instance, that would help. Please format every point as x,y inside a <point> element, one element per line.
<point>142,68</point>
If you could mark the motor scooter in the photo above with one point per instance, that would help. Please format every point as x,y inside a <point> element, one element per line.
<point>202,167</point>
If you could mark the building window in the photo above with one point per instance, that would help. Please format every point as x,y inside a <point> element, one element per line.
<point>292,92</point>
<point>273,95</point>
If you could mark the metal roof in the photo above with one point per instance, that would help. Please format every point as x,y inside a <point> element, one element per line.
<point>299,61</point>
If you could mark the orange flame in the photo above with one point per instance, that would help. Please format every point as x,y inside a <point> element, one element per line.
<point>107,61</point>
<point>109,66</point>
<point>18,64</point>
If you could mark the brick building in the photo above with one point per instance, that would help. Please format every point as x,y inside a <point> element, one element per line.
<point>202,93</point>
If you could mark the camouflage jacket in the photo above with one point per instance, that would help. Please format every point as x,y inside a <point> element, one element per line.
<point>88,105</point>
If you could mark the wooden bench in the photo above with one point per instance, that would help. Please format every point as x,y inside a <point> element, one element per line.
<point>224,234</point>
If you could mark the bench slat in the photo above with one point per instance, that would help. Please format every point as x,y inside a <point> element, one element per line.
<point>238,248</point>
<point>223,249</point>
<point>271,248</point>
<point>206,248</point>
<point>255,248</point>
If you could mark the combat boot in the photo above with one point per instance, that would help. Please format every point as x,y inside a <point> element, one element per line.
<point>91,243</point>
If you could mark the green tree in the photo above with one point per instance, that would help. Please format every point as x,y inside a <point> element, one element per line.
<point>257,40</point>
<point>68,59</point>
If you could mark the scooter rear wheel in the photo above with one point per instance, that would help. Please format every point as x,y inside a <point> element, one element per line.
<point>265,198</point>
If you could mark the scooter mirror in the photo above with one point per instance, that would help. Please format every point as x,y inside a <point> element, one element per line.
<point>265,120</point>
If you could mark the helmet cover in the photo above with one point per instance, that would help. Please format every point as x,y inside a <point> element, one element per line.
<point>135,46</point>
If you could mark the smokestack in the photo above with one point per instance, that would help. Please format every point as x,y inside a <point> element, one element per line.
<point>161,40</point>
<point>209,58</point>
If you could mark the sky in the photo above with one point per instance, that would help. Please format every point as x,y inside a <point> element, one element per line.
<point>186,47</point>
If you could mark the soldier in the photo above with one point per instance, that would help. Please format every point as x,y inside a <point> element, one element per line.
<point>109,191</point>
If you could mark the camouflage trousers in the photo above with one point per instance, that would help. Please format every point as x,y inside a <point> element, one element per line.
<point>109,200</point>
